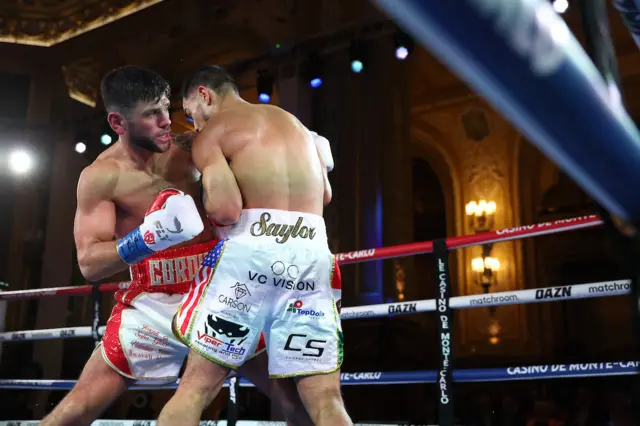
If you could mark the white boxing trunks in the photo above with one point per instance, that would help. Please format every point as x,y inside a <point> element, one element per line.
<point>138,342</point>
<point>274,273</point>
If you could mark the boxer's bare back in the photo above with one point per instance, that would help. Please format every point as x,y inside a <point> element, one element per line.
<point>251,157</point>
<point>271,154</point>
<point>114,193</point>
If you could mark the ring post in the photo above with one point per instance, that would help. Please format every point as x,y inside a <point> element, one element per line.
<point>97,304</point>
<point>445,325</point>
<point>601,50</point>
<point>232,406</point>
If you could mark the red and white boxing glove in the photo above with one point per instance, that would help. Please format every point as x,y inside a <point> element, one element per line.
<point>173,218</point>
<point>325,150</point>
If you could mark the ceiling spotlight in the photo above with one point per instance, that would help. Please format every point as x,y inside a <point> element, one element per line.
<point>560,6</point>
<point>81,147</point>
<point>264,85</point>
<point>403,44</point>
<point>106,139</point>
<point>20,161</point>
<point>357,57</point>
<point>315,71</point>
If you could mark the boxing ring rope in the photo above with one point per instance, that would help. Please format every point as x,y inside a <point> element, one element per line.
<point>517,297</point>
<point>202,423</point>
<point>380,253</point>
<point>529,372</point>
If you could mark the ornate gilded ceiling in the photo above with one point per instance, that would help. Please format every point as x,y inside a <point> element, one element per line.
<point>174,36</point>
<point>48,22</point>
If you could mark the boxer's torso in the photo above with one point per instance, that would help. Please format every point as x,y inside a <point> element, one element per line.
<point>273,157</point>
<point>135,188</point>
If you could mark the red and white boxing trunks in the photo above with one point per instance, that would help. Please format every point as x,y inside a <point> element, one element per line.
<point>138,342</point>
<point>273,273</point>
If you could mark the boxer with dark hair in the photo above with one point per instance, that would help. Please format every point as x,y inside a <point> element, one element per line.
<point>139,208</point>
<point>265,182</point>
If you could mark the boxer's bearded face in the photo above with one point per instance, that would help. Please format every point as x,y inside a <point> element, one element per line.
<point>149,126</point>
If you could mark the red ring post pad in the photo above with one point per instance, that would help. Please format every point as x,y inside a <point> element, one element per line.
<point>523,58</point>
<point>524,372</point>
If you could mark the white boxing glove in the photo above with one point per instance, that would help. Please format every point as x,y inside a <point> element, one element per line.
<point>173,218</point>
<point>325,150</point>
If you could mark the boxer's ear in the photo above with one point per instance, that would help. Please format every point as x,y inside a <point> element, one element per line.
<point>205,94</point>
<point>117,122</point>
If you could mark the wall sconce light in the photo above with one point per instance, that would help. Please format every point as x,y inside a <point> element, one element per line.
<point>400,279</point>
<point>493,330</point>
<point>486,271</point>
<point>481,215</point>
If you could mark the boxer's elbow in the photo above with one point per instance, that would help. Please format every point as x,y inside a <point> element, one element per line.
<point>100,261</point>
<point>225,214</point>
<point>91,275</point>
<point>89,269</point>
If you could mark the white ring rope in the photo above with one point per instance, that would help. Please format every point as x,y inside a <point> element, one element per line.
<point>576,291</point>
<point>202,423</point>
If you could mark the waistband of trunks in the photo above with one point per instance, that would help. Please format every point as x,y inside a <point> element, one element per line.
<point>280,226</point>
<point>171,266</point>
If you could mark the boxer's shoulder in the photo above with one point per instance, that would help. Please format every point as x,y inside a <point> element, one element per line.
<point>99,179</point>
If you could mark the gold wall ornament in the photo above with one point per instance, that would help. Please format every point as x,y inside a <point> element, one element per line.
<point>475,124</point>
<point>481,170</point>
<point>486,271</point>
<point>493,329</point>
<point>481,215</point>
<point>82,78</point>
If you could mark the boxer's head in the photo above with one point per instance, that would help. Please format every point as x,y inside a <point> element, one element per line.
<point>203,91</point>
<point>137,104</point>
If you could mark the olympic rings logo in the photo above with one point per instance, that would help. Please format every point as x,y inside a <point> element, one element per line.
<point>278,268</point>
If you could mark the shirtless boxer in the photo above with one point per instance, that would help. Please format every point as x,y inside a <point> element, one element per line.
<point>265,185</point>
<point>135,210</point>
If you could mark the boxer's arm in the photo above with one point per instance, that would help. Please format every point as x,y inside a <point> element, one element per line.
<point>223,200</point>
<point>94,227</point>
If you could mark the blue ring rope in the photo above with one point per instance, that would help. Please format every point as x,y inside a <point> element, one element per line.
<point>532,372</point>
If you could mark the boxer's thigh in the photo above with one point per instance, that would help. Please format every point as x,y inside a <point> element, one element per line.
<point>139,342</point>
<point>305,335</point>
<point>222,318</point>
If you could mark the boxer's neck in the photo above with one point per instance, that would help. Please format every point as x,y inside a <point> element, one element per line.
<point>138,155</point>
<point>229,101</point>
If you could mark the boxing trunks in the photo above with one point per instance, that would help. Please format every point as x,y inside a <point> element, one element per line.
<point>138,342</point>
<point>272,272</point>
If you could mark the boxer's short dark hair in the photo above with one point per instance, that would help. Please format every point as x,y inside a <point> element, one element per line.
<point>214,77</point>
<point>124,87</point>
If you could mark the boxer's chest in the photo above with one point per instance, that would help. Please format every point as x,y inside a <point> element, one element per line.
<point>137,189</point>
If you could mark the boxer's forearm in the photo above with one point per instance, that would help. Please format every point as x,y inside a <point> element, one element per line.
<point>223,200</point>
<point>100,261</point>
<point>222,213</point>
